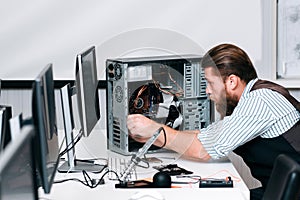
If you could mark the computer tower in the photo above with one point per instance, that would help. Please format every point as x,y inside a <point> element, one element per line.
<point>152,86</point>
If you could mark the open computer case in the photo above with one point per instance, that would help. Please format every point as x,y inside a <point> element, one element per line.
<point>167,89</point>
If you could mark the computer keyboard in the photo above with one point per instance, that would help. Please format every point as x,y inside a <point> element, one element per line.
<point>118,165</point>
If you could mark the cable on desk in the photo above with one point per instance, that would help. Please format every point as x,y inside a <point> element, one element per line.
<point>88,181</point>
<point>92,183</point>
<point>144,161</point>
<point>236,179</point>
<point>197,179</point>
<point>71,179</point>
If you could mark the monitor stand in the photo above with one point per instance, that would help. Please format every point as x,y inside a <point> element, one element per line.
<point>73,165</point>
<point>80,166</point>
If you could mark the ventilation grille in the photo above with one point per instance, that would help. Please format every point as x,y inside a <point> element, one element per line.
<point>116,140</point>
<point>195,112</point>
<point>195,83</point>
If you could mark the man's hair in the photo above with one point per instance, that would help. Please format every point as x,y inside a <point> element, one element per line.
<point>230,59</point>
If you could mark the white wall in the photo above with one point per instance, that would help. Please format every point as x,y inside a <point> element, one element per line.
<point>34,33</point>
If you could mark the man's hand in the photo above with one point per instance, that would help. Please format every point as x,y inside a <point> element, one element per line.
<point>185,143</point>
<point>141,128</point>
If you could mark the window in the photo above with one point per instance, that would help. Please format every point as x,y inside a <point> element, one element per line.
<point>281,40</point>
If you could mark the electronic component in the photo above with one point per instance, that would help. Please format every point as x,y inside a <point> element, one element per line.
<point>212,183</point>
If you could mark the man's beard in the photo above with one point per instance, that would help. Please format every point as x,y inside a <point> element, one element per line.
<point>227,105</point>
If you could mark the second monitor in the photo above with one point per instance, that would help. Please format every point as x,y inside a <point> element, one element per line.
<point>86,91</point>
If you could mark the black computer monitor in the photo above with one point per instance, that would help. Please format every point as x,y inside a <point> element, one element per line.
<point>44,118</point>
<point>17,168</point>
<point>86,91</point>
<point>86,84</point>
<point>5,134</point>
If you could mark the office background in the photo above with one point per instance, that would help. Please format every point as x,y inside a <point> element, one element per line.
<point>34,33</point>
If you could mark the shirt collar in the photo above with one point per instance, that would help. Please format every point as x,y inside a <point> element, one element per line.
<point>249,86</point>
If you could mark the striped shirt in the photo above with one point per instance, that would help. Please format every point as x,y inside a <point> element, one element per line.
<point>262,112</point>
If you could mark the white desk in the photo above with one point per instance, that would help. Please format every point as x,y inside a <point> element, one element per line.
<point>83,193</point>
<point>76,190</point>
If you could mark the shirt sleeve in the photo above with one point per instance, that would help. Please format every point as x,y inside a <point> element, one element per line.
<point>250,118</point>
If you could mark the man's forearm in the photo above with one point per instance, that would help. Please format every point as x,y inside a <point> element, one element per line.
<point>185,143</point>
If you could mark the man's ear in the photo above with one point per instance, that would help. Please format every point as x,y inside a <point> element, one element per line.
<point>233,81</point>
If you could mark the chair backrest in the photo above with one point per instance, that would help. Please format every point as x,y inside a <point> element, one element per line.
<point>284,183</point>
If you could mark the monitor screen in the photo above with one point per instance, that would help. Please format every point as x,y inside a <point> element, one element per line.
<point>17,168</point>
<point>5,134</point>
<point>87,90</point>
<point>44,119</point>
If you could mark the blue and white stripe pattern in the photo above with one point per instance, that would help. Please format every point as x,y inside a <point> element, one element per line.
<point>262,112</point>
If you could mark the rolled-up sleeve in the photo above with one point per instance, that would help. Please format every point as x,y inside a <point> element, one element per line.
<point>209,137</point>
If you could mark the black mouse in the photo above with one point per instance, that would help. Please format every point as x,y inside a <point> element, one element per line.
<point>162,180</point>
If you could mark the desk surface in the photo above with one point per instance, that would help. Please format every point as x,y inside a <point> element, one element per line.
<point>220,169</point>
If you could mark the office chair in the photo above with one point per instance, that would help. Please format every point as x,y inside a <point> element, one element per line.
<point>284,183</point>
